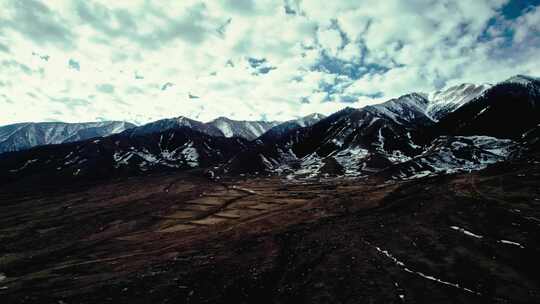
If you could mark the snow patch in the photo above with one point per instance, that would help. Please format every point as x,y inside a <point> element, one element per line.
<point>26,164</point>
<point>512,243</point>
<point>466,232</point>
<point>421,274</point>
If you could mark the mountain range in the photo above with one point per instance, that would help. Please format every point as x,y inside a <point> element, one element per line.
<point>426,198</point>
<point>22,136</point>
<point>462,128</point>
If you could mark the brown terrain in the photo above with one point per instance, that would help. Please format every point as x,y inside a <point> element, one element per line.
<point>182,238</point>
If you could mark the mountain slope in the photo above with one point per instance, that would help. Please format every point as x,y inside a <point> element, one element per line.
<point>22,136</point>
<point>174,123</point>
<point>342,142</point>
<point>446,101</point>
<point>249,130</point>
<point>452,154</point>
<point>281,129</point>
<point>457,129</point>
<point>506,110</point>
<point>120,155</point>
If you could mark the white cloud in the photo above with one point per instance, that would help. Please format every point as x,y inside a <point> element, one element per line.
<point>127,51</point>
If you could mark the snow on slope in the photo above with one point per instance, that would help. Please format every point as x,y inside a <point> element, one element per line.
<point>452,154</point>
<point>175,123</point>
<point>410,108</point>
<point>241,128</point>
<point>448,100</point>
<point>522,79</point>
<point>26,135</point>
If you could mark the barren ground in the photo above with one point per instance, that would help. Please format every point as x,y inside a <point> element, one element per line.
<point>181,238</point>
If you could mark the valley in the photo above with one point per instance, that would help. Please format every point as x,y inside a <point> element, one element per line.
<point>466,238</point>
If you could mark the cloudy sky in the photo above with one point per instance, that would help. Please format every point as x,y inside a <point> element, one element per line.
<point>141,60</point>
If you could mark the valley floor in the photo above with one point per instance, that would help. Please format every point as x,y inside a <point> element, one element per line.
<point>470,238</point>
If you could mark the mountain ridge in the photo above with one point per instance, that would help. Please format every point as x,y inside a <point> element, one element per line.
<point>399,133</point>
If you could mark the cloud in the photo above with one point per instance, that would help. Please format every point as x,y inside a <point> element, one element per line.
<point>74,65</point>
<point>166,86</point>
<point>277,59</point>
<point>105,88</point>
<point>38,23</point>
<point>4,48</point>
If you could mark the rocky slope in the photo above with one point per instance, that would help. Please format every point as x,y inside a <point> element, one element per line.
<point>249,130</point>
<point>506,110</point>
<point>22,136</point>
<point>120,155</point>
<point>283,128</point>
<point>452,130</point>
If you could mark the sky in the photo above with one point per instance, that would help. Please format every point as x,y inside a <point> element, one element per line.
<point>142,60</point>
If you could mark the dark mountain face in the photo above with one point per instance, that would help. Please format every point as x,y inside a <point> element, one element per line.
<point>221,126</point>
<point>280,130</point>
<point>531,138</point>
<point>174,123</point>
<point>403,133</point>
<point>346,139</point>
<point>120,155</point>
<point>507,110</point>
<point>22,136</point>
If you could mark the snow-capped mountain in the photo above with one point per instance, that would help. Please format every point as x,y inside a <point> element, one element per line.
<point>350,138</point>
<point>462,128</point>
<point>403,130</point>
<point>118,155</point>
<point>505,110</point>
<point>221,126</point>
<point>448,100</point>
<point>22,136</point>
<point>308,120</point>
<point>174,123</point>
<point>523,80</point>
<point>407,109</point>
<point>281,129</point>
<point>249,130</point>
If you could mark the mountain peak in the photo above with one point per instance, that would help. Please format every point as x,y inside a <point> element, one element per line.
<point>522,79</point>
<point>242,128</point>
<point>449,99</point>
<point>318,116</point>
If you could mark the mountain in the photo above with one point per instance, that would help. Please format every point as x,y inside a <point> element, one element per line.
<point>523,80</point>
<point>290,125</point>
<point>453,154</point>
<point>506,110</point>
<point>422,134</point>
<point>249,130</point>
<point>221,126</point>
<point>462,128</point>
<point>174,123</point>
<point>22,136</point>
<point>351,140</point>
<point>446,101</point>
<point>121,155</point>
